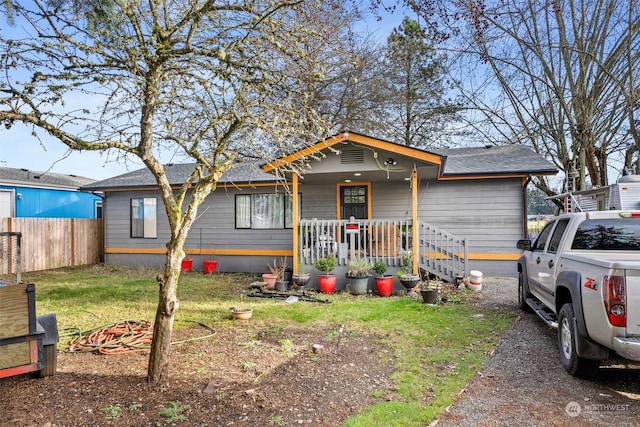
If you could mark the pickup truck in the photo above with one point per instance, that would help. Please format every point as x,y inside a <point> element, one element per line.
<point>582,277</point>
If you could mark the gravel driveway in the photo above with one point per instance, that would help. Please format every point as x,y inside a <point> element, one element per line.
<point>524,384</point>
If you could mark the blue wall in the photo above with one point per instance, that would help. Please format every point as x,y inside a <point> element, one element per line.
<point>44,203</point>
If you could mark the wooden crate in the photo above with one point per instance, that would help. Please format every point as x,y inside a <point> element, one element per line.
<point>17,310</point>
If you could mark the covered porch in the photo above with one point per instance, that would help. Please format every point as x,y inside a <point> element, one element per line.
<point>434,250</point>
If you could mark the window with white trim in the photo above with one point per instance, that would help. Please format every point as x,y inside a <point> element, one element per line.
<point>144,218</point>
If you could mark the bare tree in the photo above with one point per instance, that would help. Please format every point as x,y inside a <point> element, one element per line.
<point>560,76</point>
<point>203,80</point>
<point>346,90</point>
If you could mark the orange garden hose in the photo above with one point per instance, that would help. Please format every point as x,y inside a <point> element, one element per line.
<point>126,336</point>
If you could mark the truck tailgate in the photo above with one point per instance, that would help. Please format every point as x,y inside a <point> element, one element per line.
<point>633,302</point>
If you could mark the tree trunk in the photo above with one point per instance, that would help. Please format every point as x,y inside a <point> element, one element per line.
<point>163,326</point>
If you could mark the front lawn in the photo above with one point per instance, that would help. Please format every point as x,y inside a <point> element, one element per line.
<point>435,349</point>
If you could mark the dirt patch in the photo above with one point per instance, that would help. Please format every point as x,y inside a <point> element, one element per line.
<point>248,374</point>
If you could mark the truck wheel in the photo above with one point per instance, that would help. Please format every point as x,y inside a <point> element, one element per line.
<point>50,362</point>
<point>523,293</point>
<point>571,362</point>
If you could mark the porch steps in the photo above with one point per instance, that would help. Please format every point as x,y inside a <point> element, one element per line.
<point>442,254</point>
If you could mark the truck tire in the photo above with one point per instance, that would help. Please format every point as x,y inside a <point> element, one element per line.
<point>571,362</point>
<point>523,293</point>
<point>49,362</point>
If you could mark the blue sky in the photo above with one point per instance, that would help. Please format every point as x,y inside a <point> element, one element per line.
<point>20,149</point>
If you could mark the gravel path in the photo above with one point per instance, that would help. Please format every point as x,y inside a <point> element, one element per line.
<point>524,384</point>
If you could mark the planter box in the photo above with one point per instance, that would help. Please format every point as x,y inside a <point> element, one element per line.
<point>17,310</point>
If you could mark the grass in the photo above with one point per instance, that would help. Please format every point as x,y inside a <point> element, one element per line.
<point>437,349</point>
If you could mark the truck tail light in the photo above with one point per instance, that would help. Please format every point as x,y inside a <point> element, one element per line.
<point>614,293</point>
<point>629,214</point>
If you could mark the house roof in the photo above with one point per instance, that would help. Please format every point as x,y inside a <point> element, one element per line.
<point>512,159</point>
<point>454,163</point>
<point>177,174</point>
<point>37,179</point>
<point>494,160</point>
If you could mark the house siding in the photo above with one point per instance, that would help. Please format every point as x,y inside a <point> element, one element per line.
<point>213,230</point>
<point>318,201</point>
<point>488,213</point>
<point>48,203</point>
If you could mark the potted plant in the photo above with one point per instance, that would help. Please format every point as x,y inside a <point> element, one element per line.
<point>358,275</point>
<point>405,274</point>
<point>384,282</point>
<point>326,281</point>
<point>279,271</point>
<point>429,291</point>
<point>300,279</point>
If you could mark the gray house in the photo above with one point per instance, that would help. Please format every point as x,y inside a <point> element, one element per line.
<point>456,210</point>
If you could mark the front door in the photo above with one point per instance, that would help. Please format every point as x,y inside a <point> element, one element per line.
<point>354,202</point>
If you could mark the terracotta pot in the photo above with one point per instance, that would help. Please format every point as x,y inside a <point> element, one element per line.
<point>384,285</point>
<point>270,280</point>
<point>187,263</point>
<point>209,266</point>
<point>327,283</point>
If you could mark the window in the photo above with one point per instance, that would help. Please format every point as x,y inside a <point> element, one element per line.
<point>554,243</point>
<point>98,209</point>
<point>264,211</point>
<point>143,218</point>
<point>608,234</point>
<point>542,238</point>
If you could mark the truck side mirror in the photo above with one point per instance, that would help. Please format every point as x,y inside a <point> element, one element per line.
<point>524,244</point>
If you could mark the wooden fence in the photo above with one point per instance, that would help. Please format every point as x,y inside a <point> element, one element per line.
<point>49,243</point>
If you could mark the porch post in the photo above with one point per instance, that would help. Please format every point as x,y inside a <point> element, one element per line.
<point>296,224</point>
<point>414,215</point>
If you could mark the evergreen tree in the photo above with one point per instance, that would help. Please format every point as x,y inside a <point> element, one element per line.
<point>417,111</point>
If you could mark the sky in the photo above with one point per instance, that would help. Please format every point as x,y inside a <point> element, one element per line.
<point>19,148</point>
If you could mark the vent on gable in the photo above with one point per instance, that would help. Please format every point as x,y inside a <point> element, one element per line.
<point>351,156</point>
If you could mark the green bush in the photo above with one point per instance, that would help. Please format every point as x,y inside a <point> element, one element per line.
<point>326,264</point>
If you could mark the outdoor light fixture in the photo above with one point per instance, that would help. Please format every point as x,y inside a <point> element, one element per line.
<point>390,162</point>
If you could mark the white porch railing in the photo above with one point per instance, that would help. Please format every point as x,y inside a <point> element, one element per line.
<point>440,253</point>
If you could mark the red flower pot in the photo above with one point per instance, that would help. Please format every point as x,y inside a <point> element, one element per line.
<point>327,283</point>
<point>187,263</point>
<point>384,285</point>
<point>209,266</point>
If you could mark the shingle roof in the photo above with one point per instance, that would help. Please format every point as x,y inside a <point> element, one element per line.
<point>177,173</point>
<point>494,160</point>
<point>30,178</point>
